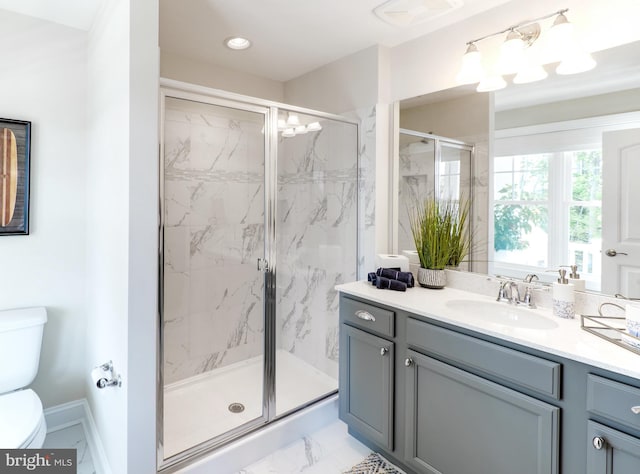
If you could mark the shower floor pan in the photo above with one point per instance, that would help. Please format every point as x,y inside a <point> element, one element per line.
<point>198,408</point>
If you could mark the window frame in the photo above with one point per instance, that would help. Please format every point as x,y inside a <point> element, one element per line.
<point>554,138</point>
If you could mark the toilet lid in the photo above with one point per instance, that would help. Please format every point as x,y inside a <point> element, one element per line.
<point>20,415</point>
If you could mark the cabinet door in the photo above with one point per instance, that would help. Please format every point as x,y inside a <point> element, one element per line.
<point>458,423</point>
<point>366,385</point>
<point>611,452</point>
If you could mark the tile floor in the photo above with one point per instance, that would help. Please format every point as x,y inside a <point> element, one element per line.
<point>72,437</point>
<point>329,450</point>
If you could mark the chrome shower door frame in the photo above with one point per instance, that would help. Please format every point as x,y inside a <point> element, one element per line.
<point>270,109</point>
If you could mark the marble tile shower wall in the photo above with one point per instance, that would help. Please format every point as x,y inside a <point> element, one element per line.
<point>214,232</point>
<point>316,240</point>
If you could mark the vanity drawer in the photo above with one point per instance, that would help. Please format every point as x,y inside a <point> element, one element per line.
<point>368,317</point>
<point>527,371</point>
<point>613,400</point>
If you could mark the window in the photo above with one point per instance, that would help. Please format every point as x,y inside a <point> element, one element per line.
<point>547,205</point>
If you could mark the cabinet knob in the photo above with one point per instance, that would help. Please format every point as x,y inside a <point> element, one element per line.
<point>636,410</point>
<point>365,316</point>
<point>408,362</point>
<point>383,351</point>
<point>598,442</point>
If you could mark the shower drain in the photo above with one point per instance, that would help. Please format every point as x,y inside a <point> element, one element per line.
<point>236,408</point>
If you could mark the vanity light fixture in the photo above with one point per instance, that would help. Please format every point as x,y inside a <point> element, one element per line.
<point>237,43</point>
<point>292,126</point>
<point>522,56</point>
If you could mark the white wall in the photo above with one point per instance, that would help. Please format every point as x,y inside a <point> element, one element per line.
<point>177,67</point>
<point>107,184</point>
<point>344,85</point>
<point>459,117</point>
<point>122,180</point>
<point>430,63</point>
<point>44,81</point>
<point>592,106</point>
<point>143,203</point>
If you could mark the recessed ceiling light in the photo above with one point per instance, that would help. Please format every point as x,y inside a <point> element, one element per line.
<point>237,42</point>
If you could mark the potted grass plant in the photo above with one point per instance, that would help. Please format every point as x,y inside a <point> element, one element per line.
<point>439,230</point>
<point>458,214</point>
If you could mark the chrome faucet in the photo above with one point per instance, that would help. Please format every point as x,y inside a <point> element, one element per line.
<point>510,293</point>
<point>514,293</point>
<point>502,292</point>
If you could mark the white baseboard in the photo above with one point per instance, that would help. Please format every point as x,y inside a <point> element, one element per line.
<point>74,413</point>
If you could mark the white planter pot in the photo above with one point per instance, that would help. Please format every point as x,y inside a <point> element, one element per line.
<point>432,278</point>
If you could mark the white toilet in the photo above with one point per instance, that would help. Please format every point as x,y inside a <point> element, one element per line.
<point>22,424</point>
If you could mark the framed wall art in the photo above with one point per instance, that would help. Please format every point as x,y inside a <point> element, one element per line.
<point>15,138</point>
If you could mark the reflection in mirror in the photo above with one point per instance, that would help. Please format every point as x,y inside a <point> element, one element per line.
<point>422,158</point>
<point>564,167</point>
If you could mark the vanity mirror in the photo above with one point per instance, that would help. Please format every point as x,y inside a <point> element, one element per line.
<point>555,171</point>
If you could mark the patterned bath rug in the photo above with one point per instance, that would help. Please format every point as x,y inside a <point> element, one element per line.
<point>374,464</point>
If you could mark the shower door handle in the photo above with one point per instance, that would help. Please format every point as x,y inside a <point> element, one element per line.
<point>262,265</point>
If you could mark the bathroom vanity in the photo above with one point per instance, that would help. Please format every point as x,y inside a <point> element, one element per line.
<point>452,382</point>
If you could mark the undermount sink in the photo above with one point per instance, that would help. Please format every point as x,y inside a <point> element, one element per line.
<point>503,314</point>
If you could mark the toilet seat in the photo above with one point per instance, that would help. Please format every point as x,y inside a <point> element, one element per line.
<point>22,423</point>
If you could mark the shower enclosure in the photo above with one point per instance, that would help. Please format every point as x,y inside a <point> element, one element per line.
<point>430,165</point>
<point>259,223</point>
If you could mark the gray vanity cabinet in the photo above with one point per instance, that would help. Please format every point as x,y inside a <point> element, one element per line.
<point>366,384</point>
<point>457,422</point>
<point>459,402</point>
<point>611,451</point>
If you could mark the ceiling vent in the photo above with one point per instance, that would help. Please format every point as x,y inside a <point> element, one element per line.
<point>413,12</point>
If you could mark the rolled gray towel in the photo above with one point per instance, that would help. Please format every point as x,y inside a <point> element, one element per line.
<point>382,282</point>
<point>404,277</point>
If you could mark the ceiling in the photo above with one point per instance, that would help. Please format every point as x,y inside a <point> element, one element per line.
<point>290,37</point>
<point>74,13</point>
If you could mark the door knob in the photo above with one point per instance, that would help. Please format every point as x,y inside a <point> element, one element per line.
<point>613,253</point>
<point>383,351</point>
<point>408,362</point>
<point>598,442</point>
<point>636,410</point>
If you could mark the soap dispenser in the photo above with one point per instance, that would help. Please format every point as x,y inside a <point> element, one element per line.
<point>575,280</point>
<point>563,297</point>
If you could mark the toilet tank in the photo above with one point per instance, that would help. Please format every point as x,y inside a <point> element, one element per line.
<point>20,342</point>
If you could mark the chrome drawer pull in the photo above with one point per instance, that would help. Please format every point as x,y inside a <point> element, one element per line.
<point>636,410</point>
<point>383,351</point>
<point>598,442</point>
<point>365,315</point>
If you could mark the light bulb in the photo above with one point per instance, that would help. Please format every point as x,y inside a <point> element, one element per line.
<point>531,70</point>
<point>300,130</point>
<point>289,132</point>
<point>314,127</point>
<point>237,43</point>
<point>293,120</point>
<point>511,53</point>
<point>471,68</point>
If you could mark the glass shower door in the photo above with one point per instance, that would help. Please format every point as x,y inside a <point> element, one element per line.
<point>315,249</point>
<point>213,199</point>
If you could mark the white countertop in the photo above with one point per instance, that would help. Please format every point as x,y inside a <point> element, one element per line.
<point>567,340</point>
